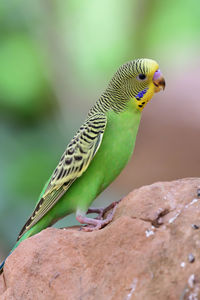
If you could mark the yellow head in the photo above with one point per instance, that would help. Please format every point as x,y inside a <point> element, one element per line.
<point>137,80</point>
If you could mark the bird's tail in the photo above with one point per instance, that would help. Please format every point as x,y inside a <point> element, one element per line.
<point>25,236</point>
<point>3,262</point>
<point>2,265</point>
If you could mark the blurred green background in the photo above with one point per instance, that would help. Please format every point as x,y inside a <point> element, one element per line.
<point>56,57</point>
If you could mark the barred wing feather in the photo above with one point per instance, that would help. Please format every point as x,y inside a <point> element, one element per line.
<point>73,163</point>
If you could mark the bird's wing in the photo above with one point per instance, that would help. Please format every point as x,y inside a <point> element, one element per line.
<point>73,163</point>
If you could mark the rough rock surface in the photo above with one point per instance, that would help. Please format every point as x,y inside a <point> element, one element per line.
<point>151,250</point>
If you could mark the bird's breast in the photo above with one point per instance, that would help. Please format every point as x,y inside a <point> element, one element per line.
<point>117,145</point>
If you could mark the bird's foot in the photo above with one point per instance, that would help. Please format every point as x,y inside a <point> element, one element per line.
<point>98,222</point>
<point>101,211</point>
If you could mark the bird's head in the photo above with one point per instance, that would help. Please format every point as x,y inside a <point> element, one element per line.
<point>138,80</point>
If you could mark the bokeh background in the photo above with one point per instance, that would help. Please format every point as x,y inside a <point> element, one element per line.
<point>56,57</point>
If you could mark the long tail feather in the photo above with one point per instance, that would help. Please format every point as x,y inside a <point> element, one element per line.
<point>26,235</point>
<point>2,265</point>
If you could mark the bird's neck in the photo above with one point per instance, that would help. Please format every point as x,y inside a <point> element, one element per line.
<point>111,100</point>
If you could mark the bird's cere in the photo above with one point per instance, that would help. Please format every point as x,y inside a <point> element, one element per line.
<point>157,75</point>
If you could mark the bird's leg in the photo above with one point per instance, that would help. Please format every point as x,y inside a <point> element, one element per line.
<point>101,211</point>
<point>97,223</point>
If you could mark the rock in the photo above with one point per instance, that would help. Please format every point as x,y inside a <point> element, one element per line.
<point>142,254</point>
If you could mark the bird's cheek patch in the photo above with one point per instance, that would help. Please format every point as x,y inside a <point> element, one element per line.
<point>140,95</point>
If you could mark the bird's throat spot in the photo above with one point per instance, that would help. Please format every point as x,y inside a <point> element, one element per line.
<point>140,102</point>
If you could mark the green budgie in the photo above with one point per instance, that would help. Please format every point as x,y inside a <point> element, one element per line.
<point>98,152</point>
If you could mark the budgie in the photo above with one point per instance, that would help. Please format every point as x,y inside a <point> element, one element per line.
<point>99,150</point>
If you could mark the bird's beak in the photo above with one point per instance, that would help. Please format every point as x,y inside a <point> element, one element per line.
<point>158,81</point>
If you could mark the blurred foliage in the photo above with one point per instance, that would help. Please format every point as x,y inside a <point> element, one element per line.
<point>55,58</point>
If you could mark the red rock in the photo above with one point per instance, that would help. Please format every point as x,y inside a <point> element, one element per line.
<point>142,254</point>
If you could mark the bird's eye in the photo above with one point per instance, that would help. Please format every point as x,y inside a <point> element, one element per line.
<point>141,76</point>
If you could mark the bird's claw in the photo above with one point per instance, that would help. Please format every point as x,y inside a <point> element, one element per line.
<point>98,222</point>
<point>102,211</point>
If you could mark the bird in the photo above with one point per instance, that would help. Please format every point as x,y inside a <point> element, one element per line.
<point>98,152</point>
